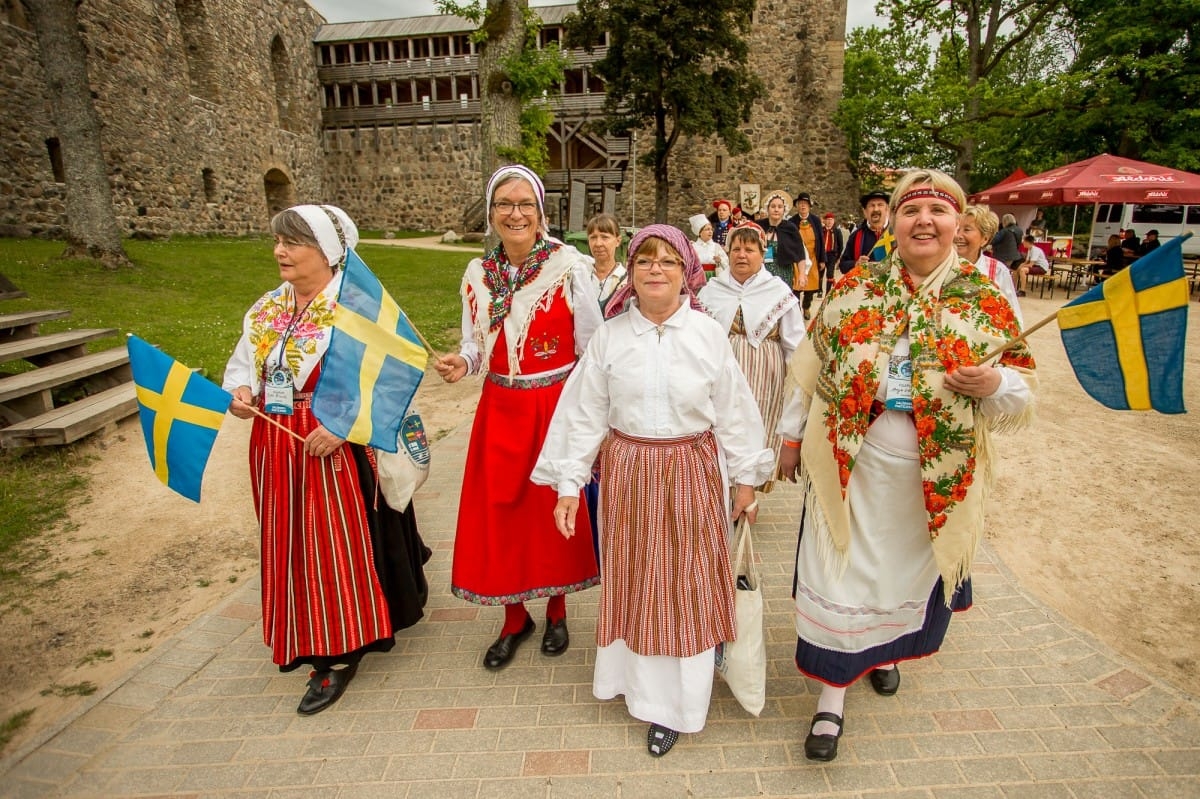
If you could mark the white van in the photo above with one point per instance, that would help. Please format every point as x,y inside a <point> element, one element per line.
<point>1168,220</point>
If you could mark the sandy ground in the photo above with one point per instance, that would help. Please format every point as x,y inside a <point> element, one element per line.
<point>1089,510</point>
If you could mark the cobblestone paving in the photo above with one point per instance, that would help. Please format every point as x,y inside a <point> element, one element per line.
<point>1019,704</point>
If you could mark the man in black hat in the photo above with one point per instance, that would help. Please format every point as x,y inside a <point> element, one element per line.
<point>862,240</point>
<point>1150,243</point>
<point>809,225</point>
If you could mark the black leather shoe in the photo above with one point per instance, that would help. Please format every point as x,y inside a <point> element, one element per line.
<point>556,639</point>
<point>823,747</point>
<point>501,652</point>
<point>885,681</point>
<point>325,688</point>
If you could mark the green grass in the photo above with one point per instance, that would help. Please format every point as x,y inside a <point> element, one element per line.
<point>188,296</point>
<point>12,725</point>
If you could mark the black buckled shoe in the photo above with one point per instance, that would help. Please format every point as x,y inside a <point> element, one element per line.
<point>556,639</point>
<point>885,681</point>
<point>500,653</point>
<point>823,747</point>
<point>325,688</point>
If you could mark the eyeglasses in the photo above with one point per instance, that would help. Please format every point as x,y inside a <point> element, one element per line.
<point>525,208</point>
<point>665,264</point>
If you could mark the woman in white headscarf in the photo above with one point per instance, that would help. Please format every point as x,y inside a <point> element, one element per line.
<point>341,571</point>
<point>529,308</point>
<point>763,319</point>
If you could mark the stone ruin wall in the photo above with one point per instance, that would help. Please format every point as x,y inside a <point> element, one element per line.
<point>158,135</point>
<point>414,177</point>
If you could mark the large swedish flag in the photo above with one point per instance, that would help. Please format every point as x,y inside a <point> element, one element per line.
<point>373,366</point>
<point>180,413</point>
<point>1125,337</point>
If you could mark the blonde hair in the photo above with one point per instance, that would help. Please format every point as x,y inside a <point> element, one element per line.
<point>932,177</point>
<point>984,218</point>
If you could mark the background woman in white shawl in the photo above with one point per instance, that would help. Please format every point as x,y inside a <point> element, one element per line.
<point>713,257</point>
<point>763,320</point>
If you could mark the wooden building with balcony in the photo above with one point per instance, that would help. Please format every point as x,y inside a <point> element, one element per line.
<point>405,92</point>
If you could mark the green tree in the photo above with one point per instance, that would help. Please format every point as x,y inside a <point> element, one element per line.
<point>1135,88</point>
<point>516,77</point>
<point>946,75</point>
<point>679,68</point>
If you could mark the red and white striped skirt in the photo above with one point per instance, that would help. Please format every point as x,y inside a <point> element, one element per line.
<point>664,548</point>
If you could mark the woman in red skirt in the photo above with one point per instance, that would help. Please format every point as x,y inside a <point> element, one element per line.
<point>529,308</point>
<point>341,571</point>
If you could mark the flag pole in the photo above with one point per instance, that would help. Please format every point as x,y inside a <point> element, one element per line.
<point>269,420</point>
<point>428,347</point>
<point>1009,345</point>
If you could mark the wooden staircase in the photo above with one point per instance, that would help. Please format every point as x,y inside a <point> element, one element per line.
<point>70,393</point>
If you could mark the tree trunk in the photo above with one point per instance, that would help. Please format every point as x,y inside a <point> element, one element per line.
<point>92,230</point>
<point>662,186</point>
<point>500,110</point>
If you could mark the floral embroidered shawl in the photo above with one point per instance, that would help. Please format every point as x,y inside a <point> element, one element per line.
<point>953,318</point>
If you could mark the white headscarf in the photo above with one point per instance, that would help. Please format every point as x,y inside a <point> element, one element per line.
<point>526,174</point>
<point>333,229</point>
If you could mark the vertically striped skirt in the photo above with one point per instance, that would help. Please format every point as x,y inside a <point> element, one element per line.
<point>765,370</point>
<point>341,571</point>
<point>667,588</point>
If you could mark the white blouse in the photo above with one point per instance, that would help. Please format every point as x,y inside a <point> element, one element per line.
<point>654,381</point>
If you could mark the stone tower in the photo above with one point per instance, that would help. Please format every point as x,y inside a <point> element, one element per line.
<point>797,50</point>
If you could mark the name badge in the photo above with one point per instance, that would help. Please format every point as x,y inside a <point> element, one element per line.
<point>277,393</point>
<point>769,255</point>
<point>899,384</point>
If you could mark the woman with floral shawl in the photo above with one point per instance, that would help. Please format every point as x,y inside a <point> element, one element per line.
<point>888,427</point>
<point>341,571</point>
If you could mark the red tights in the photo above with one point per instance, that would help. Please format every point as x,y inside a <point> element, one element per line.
<point>515,615</point>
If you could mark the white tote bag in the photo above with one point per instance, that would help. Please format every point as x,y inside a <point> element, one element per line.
<point>402,472</point>
<point>743,663</point>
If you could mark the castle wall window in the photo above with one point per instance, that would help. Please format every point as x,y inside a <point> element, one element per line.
<point>209,180</point>
<point>54,150</point>
<point>283,88</point>
<point>198,48</point>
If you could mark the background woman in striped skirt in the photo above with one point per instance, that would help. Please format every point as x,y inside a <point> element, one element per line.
<point>659,395</point>
<point>763,320</point>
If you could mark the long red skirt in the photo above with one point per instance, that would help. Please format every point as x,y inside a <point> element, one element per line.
<point>341,571</point>
<point>507,549</point>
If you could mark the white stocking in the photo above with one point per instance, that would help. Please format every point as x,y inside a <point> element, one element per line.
<point>832,700</point>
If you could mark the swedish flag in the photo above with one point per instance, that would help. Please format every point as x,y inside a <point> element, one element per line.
<point>883,245</point>
<point>1125,337</point>
<point>180,413</point>
<point>373,366</point>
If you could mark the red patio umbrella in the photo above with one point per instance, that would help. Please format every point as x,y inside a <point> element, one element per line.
<point>1103,178</point>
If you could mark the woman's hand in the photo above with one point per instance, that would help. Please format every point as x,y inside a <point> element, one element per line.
<point>789,462</point>
<point>243,403</point>
<point>973,381</point>
<point>451,367</point>
<point>744,502</point>
<point>564,515</point>
<point>321,443</point>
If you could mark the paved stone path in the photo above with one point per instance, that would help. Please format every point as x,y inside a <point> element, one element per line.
<point>1018,704</point>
